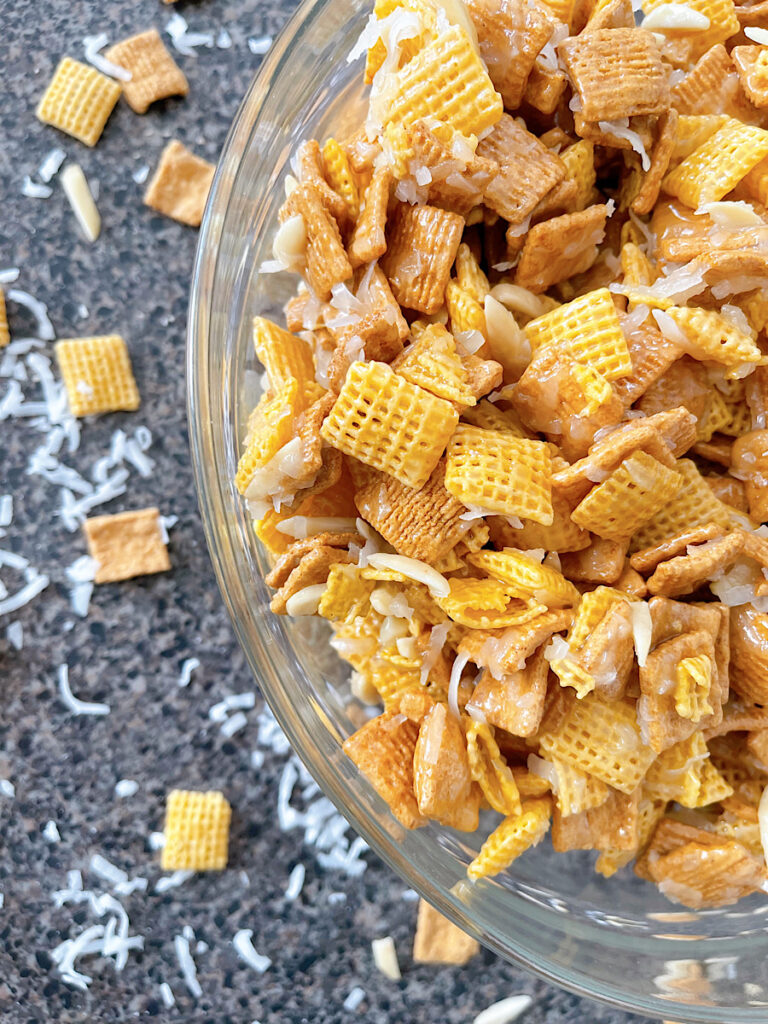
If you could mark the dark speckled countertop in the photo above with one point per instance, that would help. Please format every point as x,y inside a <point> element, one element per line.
<point>128,651</point>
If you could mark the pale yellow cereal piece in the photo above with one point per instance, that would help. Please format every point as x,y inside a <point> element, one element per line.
<point>693,130</point>
<point>579,161</point>
<point>577,791</point>
<point>634,492</point>
<point>270,426</point>
<point>755,182</point>
<point>339,175</point>
<point>465,312</point>
<point>712,336</point>
<point>5,335</point>
<point>694,504</point>
<point>676,773</point>
<point>526,578</point>
<point>721,416</point>
<point>500,473</point>
<point>282,354</point>
<point>723,23</point>
<point>718,165</point>
<point>713,788</point>
<point>470,276</point>
<point>180,185</point>
<point>97,375</point>
<point>126,544</point>
<point>78,101</point>
<point>440,941</point>
<point>692,686</point>
<point>433,364</point>
<point>196,831</point>
<point>155,75</point>
<point>489,769</point>
<point>590,612</point>
<point>388,423</point>
<point>346,595</point>
<point>514,836</point>
<point>485,604</point>
<point>589,329</point>
<point>574,675</point>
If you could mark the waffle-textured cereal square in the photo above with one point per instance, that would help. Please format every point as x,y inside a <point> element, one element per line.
<point>440,941</point>
<point>282,354</point>
<point>442,780</point>
<point>485,604</point>
<point>97,374</point>
<point>712,336</point>
<point>528,170</point>
<point>699,875</point>
<point>577,791</point>
<point>126,544</point>
<point>339,175</point>
<point>693,682</point>
<point>346,595</point>
<point>694,504</point>
<point>723,23</point>
<point>514,836</point>
<point>180,185</point>
<point>701,562</point>
<point>196,831</point>
<point>560,247</point>
<point>500,473</point>
<point>657,711</point>
<point>616,73</point>
<point>155,75</point>
<point>78,101</point>
<point>718,165</point>
<point>524,577</point>
<point>432,363</point>
<point>388,423</point>
<point>368,240</point>
<point>270,426</point>
<point>515,702</point>
<point>421,247</point>
<point>5,335</point>
<point>589,329</point>
<point>470,275</point>
<point>752,66</point>
<point>633,493</point>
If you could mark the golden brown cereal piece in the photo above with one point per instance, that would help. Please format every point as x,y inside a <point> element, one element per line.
<point>270,426</point>
<point>383,751</point>
<point>505,27</point>
<point>368,241</point>
<point>468,177</point>
<point>576,190</point>
<point>649,813</point>
<point>507,650</point>
<point>528,170</point>
<point>5,336</point>
<point>180,185</point>
<point>313,568</point>
<point>464,312</point>
<point>291,560</point>
<point>647,560</point>
<point>631,583</point>
<point>500,473</point>
<point>749,460</point>
<point>611,825</point>
<point>723,23</point>
<point>310,174</point>
<point>544,89</point>
<point>749,653</point>
<point>652,355</point>
<point>421,523</point>
<point>196,831</point>
<point>489,769</point>
<point>127,544</point>
<point>327,262</point>
<point>693,505</point>
<point>718,165</point>
<point>385,422</point>
<point>648,193</point>
<point>372,337</point>
<point>78,101</point>
<point>692,688</point>
<point>707,88</point>
<point>432,363</point>
<point>515,702</point>
<point>717,450</point>
<point>422,246</point>
<point>753,72</point>
<point>560,247</point>
<point>441,775</point>
<point>529,784</point>
<point>670,834</point>
<point>514,836</point>
<point>607,655</point>
<point>439,941</point>
<point>610,14</point>
<point>729,491</point>
<point>708,875</point>
<point>677,773</point>
<point>673,618</point>
<point>282,354</point>
<point>97,375</point>
<point>685,573</point>
<point>601,562</point>
<point>656,710</point>
<point>684,385</point>
<point>616,73</point>
<point>525,578</point>
<point>603,739</point>
<point>561,535</point>
<point>757,744</point>
<point>470,275</point>
<point>155,75</point>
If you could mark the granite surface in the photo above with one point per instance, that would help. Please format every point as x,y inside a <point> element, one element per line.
<point>128,651</point>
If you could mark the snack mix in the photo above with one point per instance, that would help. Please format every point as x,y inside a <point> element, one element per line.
<point>513,443</point>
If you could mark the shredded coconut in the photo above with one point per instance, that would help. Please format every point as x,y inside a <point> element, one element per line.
<point>183,40</point>
<point>91,47</point>
<point>295,882</point>
<point>51,832</point>
<point>187,964</point>
<point>166,994</point>
<point>15,634</point>
<point>76,706</point>
<point>259,45</point>
<point>505,1011</point>
<point>187,668</point>
<point>172,881</point>
<point>33,190</point>
<point>621,130</point>
<point>7,788</point>
<point>126,787</point>
<point>246,951</point>
<point>141,174</point>
<point>38,310</point>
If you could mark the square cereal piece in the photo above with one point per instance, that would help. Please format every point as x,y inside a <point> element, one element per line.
<point>515,835</point>
<point>196,831</point>
<point>422,244</point>
<point>368,240</point>
<point>180,185</point>
<point>442,782</point>
<point>650,186</point>
<point>544,89</point>
<point>693,505</point>
<point>616,72</point>
<point>515,702</point>
<point>281,353</point>
<point>5,335</point>
<point>752,64</point>
<point>440,941</point>
<point>718,165</point>
<point>657,711</point>
<point>723,23</point>
<point>501,473</point>
<point>97,375</point>
<point>528,170</point>
<point>78,101</point>
<point>388,423</point>
<point>155,75</point>
<point>560,247</point>
<point>451,188</point>
<point>709,86</point>
<point>127,544</point>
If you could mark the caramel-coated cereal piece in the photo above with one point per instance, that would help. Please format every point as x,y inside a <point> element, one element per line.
<point>180,185</point>
<point>155,75</point>
<point>560,247</point>
<point>441,772</point>
<point>126,544</point>
<point>422,245</point>
<point>440,941</point>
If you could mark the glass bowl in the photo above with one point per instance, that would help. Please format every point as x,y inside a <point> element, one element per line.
<point>616,940</point>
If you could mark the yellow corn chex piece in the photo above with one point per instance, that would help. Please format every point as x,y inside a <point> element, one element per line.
<point>196,831</point>
<point>577,791</point>
<point>591,611</point>
<point>489,769</point>
<point>346,595</point>
<point>486,414</point>
<point>5,335</point>
<point>579,161</point>
<point>712,786</point>
<point>390,679</point>
<point>718,165</point>
<point>603,739</point>
<point>711,336</point>
<point>339,176</point>
<point>719,416</point>
<point>78,101</point>
<point>377,54</point>
<point>270,426</point>
<point>590,331</point>
<point>470,274</point>
<point>594,387</point>
<point>755,306</point>
<point>485,604</point>
<point>514,836</point>
<point>693,679</point>
<point>526,578</point>
<point>723,23</point>
<point>676,773</point>
<point>500,473</point>
<point>738,419</point>
<point>694,504</point>
<point>755,182</point>
<point>573,675</point>
<point>447,81</point>
<point>635,266</point>
<point>388,423</point>
<point>465,312</point>
<point>97,375</point>
<point>433,364</point>
<point>634,492</point>
<point>282,354</point>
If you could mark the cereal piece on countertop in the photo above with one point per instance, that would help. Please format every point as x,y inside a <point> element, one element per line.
<point>97,374</point>
<point>440,941</point>
<point>155,75</point>
<point>5,335</point>
<point>78,101</point>
<point>180,185</point>
<point>196,831</point>
<point>126,544</point>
